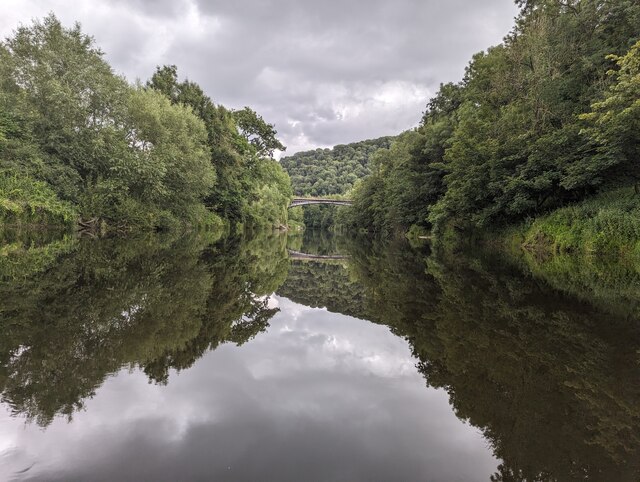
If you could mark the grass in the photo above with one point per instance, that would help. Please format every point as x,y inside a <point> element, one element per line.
<point>590,249</point>
<point>605,225</point>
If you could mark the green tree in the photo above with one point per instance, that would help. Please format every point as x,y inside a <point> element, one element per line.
<point>614,124</point>
<point>239,141</point>
<point>261,135</point>
<point>66,98</point>
<point>116,154</point>
<point>325,172</point>
<point>509,141</point>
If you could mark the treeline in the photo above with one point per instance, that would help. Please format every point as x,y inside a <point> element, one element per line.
<point>549,117</point>
<point>79,143</point>
<point>325,172</point>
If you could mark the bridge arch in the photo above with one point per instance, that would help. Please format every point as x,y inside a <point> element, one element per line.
<point>305,201</point>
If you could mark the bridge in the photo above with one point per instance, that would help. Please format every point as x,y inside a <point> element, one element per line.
<point>303,201</point>
<point>315,257</point>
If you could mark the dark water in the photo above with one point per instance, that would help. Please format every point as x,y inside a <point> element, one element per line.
<point>194,358</point>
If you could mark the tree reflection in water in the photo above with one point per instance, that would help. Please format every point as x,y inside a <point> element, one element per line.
<point>73,312</point>
<point>544,361</point>
<point>550,379</point>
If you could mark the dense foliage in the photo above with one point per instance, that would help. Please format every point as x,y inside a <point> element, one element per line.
<point>607,224</point>
<point>325,172</point>
<point>548,117</point>
<point>78,142</point>
<point>252,188</point>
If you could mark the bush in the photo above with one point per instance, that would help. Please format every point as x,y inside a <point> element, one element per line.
<point>26,201</point>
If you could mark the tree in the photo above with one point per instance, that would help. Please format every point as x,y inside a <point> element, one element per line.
<point>118,154</point>
<point>237,140</point>
<point>614,123</point>
<point>173,157</point>
<point>58,87</point>
<point>324,172</point>
<point>261,135</point>
<point>509,141</point>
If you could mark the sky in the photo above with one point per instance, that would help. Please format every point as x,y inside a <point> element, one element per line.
<point>324,72</point>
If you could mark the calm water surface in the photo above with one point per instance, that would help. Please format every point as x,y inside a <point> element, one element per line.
<point>194,358</point>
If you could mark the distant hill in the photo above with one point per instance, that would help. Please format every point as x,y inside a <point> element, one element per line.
<point>324,172</point>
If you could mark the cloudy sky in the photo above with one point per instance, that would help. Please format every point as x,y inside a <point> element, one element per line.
<point>325,72</point>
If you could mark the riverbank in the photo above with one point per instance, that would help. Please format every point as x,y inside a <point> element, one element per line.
<point>27,202</point>
<point>605,225</point>
<point>590,250</point>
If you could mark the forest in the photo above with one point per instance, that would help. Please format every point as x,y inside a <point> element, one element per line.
<point>326,172</point>
<point>80,144</point>
<point>540,138</point>
<point>547,120</point>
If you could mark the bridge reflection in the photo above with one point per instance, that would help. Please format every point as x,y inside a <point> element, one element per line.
<point>315,257</point>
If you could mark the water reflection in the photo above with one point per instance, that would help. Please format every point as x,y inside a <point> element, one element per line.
<point>541,356</point>
<point>73,312</point>
<point>545,361</point>
<point>317,396</point>
<point>318,242</point>
<point>550,379</point>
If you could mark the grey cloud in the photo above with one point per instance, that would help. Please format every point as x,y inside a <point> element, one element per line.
<point>155,8</point>
<point>319,70</point>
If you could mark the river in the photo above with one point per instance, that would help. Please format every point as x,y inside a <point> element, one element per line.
<point>194,357</point>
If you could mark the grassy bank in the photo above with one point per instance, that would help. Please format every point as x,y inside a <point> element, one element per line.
<point>605,225</point>
<point>590,249</point>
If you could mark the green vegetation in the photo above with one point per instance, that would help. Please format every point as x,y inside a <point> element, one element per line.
<point>251,188</point>
<point>324,172</point>
<point>321,216</point>
<point>25,200</point>
<point>78,143</point>
<point>329,173</point>
<point>606,224</point>
<point>548,118</point>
